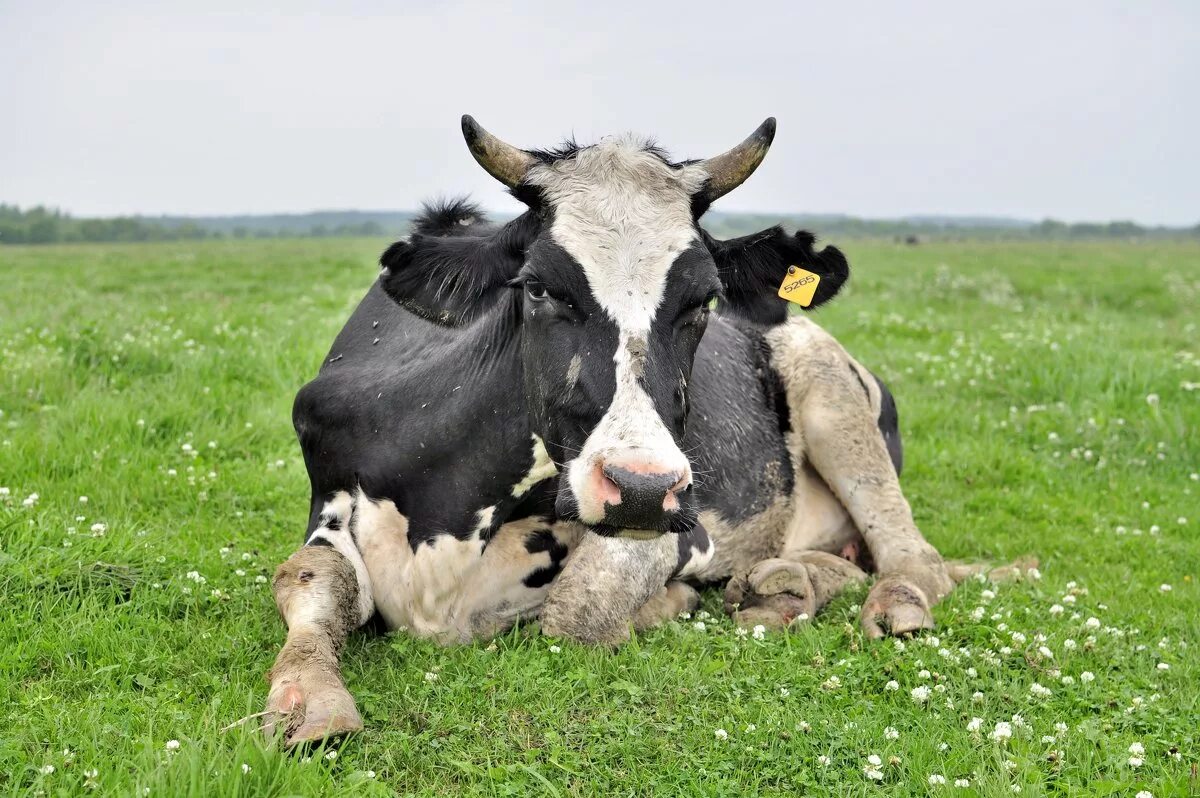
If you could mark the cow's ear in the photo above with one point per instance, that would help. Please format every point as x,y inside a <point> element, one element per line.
<point>450,279</point>
<point>752,269</point>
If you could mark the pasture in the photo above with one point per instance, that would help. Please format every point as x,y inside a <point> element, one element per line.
<point>150,483</point>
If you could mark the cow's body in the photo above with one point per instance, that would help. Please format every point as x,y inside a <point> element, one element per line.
<point>548,419</point>
<point>425,471</point>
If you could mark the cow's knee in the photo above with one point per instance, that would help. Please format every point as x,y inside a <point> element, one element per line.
<point>318,587</point>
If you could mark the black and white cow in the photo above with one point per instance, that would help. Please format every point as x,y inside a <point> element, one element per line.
<point>580,414</point>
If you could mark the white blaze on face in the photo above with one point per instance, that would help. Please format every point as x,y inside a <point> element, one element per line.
<point>625,216</point>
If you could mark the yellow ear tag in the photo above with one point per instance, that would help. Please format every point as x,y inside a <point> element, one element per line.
<point>799,286</point>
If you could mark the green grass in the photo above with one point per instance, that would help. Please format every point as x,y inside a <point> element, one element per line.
<point>1046,402</point>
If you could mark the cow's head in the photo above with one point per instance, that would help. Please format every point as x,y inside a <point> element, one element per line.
<point>610,282</point>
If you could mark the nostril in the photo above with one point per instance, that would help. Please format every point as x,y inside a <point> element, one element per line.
<point>610,492</point>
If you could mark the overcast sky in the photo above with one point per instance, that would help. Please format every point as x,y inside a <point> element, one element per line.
<point>1077,110</point>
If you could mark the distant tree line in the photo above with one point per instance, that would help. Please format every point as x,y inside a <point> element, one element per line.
<point>40,225</point>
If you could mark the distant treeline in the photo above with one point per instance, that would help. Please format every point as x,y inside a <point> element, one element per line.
<point>41,225</point>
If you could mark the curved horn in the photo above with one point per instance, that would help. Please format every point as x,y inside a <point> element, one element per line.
<point>502,161</point>
<point>729,170</point>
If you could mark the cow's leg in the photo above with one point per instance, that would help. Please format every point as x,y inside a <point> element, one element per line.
<point>835,428</point>
<point>323,592</point>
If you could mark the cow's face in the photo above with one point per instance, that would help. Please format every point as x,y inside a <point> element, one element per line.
<point>616,291</point>
<point>610,281</point>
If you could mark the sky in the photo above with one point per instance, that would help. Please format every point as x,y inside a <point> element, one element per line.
<point>1074,110</point>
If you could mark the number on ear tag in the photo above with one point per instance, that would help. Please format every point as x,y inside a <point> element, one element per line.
<point>799,286</point>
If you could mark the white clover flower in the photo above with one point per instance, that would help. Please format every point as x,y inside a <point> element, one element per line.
<point>977,697</point>
<point>1018,638</point>
<point>898,644</point>
<point>46,770</point>
<point>1056,609</point>
<point>975,724</point>
<point>1061,727</point>
<point>1069,644</point>
<point>245,768</point>
<point>1137,749</point>
<point>873,773</point>
<point>1087,676</point>
<point>1067,680</point>
<point>1045,652</point>
<point>699,626</point>
<point>1162,666</point>
<point>1152,399</point>
<point>920,694</point>
<point>1002,732</point>
<point>936,779</point>
<point>1068,599</point>
<point>1135,761</point>
<point>1040,691</point>
<point>83,499</point>
<point>172,745</point>
<point>262,580</point>
<point>875,760</point>
<point>1092,623</point>
<point>751,727</point>
<point>963,783</point>
<point>832,683</point>
<point>803,726</point>
<point>555,649</point>
<point>430,676</point>
<point>759,632</point>
<point>890,733</point>
<point>741,631</point>
<point>1144,794</point>
<point>892,686</point>
<point>784,692</point>
<point>1165,588</point>
<point>923,674</point>
<point>331,755</point>
<point>823,761</point>
<point>721,734</point>
<point>1015,788</point>
<point>972,672</point>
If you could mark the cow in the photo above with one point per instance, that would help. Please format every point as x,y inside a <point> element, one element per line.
<point>582,414</point>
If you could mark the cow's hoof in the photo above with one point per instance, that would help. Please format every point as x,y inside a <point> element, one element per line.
<point>897,607</point>
<point>310,715</point>
<point>775,593</point>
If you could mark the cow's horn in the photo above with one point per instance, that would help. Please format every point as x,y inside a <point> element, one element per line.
<point>729,170</point>
<point>502,161</point>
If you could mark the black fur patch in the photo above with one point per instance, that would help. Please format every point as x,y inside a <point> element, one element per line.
<point>544,540</point>
<point>752,268</point>
<point>449,279</point>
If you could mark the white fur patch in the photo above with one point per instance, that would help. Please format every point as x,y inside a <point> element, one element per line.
<point>340,512</point>
<point>451,590</point>
<point>543,468</point>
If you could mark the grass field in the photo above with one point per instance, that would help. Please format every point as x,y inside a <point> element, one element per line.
<point>1047,395</point>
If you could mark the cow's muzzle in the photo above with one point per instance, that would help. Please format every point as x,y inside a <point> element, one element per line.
<point>630,496</point>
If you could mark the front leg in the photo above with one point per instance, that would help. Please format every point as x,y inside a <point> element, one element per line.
<point>605,583</point>
<point>317,592</point>
<point>835,427</point>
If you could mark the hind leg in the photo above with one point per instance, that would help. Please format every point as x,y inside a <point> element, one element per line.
<point>836,430</point>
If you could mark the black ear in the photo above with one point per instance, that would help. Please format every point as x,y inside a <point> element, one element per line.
<point>752,268</point>
<point>449,279</point>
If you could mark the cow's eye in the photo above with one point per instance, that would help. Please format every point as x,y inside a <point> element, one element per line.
<point>536,289</point>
